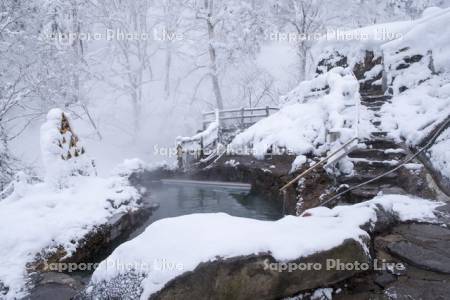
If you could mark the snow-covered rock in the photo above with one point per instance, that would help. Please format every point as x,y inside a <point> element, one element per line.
<point>159,254</point>
<point>37,219</point>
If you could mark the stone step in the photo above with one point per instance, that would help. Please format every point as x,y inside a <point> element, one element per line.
<point>375,108</point>
<point>381,144</point>
<point>379,134</point>
<point>379,97</point>
<point>360,178</point>
<point>371,90</point>
<point>377,154</point>
<point>363,168</point>
<point>377,115</point>
<point>363,164</point>
<point>370,191</point>
<point>376,122</point>
<point>373,103</point>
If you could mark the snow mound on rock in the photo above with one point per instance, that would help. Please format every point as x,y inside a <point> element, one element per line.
<point>173,246</point>
<point>39,218</point>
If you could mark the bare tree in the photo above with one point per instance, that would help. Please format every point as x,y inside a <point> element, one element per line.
<point>129,57</point>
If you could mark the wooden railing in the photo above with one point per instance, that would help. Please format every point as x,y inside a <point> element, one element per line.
<point>238,118</point>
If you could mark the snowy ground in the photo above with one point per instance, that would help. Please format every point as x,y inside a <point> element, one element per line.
<point>159,253</point>
<point>439,153</point>
<point>37,217</point>
<point>415,112</point>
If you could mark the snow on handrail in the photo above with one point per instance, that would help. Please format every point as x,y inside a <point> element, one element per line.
<point>430,143</point>
<point>313,167</point>
<point>240,109</point>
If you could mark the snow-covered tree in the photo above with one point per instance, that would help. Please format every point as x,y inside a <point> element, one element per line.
<point>62,152</point>
<point>227,31</point>
<point>127,59</point>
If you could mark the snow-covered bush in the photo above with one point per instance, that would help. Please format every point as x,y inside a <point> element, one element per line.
<point>326,103</point>
<point>63,154</point>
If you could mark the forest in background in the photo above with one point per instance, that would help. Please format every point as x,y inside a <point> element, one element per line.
<point>135,74</point>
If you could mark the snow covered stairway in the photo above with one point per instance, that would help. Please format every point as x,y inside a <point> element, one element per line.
<point>373,158</point>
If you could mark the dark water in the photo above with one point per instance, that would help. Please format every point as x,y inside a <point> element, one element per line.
<point>177,200</point>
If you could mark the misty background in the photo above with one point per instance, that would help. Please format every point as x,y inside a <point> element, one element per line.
<point>136,74</point>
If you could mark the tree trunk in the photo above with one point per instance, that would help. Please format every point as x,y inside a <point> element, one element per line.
<point>213,59</point>
<point>303,56</point>
<point>168,65</point>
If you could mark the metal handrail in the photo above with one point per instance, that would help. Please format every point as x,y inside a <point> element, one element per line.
<point>322,162</point>
<point>405,161</point>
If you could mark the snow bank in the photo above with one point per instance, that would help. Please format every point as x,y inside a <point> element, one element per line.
<point>36,217</point>
<point>354,43</point>
<point>439,154</point>
<point>129,166</point>
<point>427,104</point>
<point>185,242</point>
<point>421,88</point>
<point>391,37</point>
<point>416,60</point>
<point>208,136</point>
<point>325,103</point>
<point>427,34</point>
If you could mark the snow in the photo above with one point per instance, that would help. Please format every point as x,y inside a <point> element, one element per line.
<point>353,43</point>
<point>62,153</point>
<point>208,136</point>
<point>232,163</point>
<point>212,236</point>
<point>374,72</point>
<point>129,166</point>
<point>322,294</point>
<point>37,218</point>
<point>427,99</point>
<point>421,88</point>
<point>429,28</point>
<point>40,216</point>
<point>298,162</point>
<point>439,154</point>
<point>390,37</point>
<point>298,127</point>
<point>325,103</point>
<point>424,104</point>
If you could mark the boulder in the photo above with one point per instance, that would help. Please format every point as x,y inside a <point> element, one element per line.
<point>425,246</point>
<point>252,277</point>
<point>419,289</point>
<point>245,277</point>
